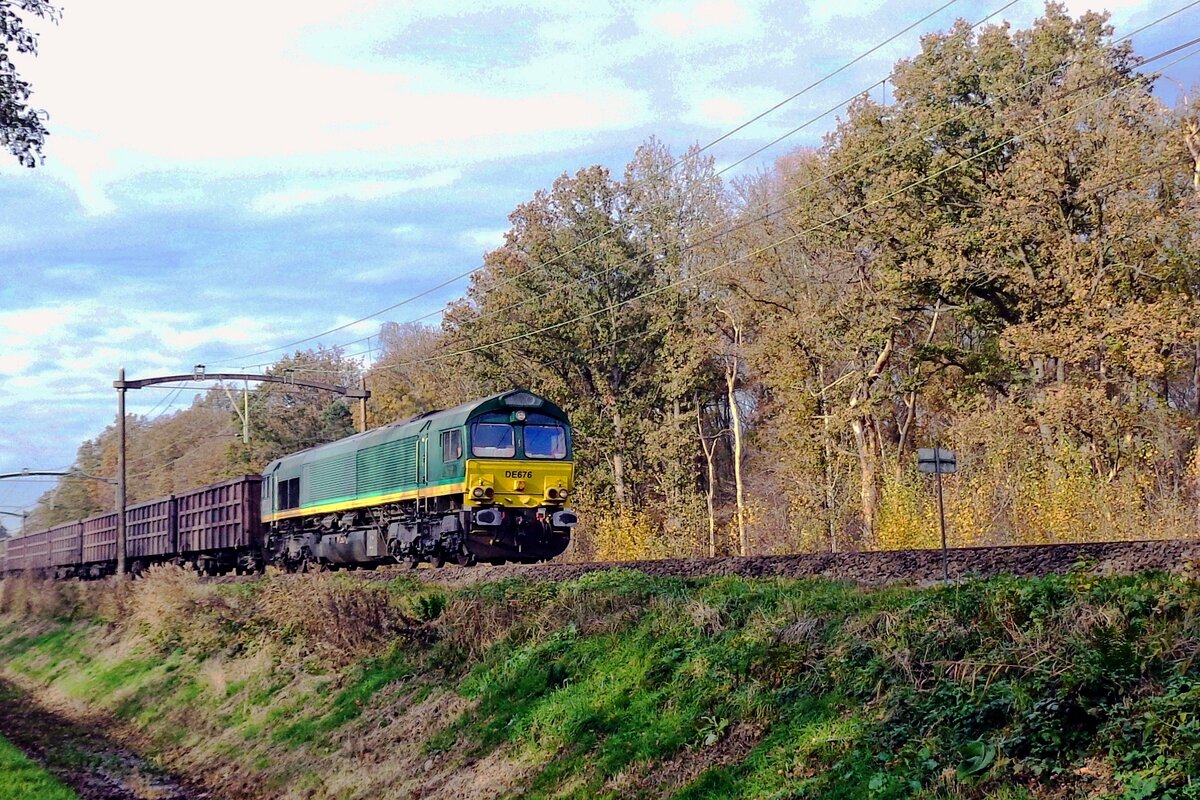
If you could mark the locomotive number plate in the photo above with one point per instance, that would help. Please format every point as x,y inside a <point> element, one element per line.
<point>518,473</point>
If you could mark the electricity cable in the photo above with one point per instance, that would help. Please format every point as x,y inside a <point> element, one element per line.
<point>797,191</point>
<point>668,169</point>
<point>830,175</point>
<point>758,251</point>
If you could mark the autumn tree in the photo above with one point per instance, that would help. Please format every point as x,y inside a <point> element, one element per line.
<point>590,301</point>
<point>410,374</point>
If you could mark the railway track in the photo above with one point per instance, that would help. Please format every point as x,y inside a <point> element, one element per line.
<point>876,568</point>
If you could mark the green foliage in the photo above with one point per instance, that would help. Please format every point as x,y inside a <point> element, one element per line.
<point>22,128</point>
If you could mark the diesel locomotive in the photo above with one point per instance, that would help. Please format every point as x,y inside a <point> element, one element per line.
<point>487,481</point>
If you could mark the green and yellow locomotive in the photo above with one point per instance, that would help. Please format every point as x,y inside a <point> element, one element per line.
<point>486,481</point>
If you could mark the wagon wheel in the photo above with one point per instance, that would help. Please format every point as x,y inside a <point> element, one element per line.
<point>413,562</point>
<point>464,559</point>
<point>439,560</point>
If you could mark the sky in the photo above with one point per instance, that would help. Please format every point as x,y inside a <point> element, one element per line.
<point>227,177</point>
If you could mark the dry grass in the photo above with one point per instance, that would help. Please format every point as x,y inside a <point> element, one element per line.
<point>339,620</point>
<point>28,596</point>
<point>171,606</point>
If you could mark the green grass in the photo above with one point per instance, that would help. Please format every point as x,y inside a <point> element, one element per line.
<point>21,779</point>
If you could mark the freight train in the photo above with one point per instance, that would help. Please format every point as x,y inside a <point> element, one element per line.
<point>487,481</point>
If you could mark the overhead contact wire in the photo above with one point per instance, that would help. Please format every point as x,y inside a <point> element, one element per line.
<point>666,170</point>
<point>804,232</point>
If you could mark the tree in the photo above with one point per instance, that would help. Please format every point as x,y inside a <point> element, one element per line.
<point>594,300</point>
<point>22,128</point>
<point>410,376</point>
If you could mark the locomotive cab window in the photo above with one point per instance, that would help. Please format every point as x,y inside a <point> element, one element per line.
<point>451,446</point>
<point>289,494</point>
<point>493,440</point>
<point>545,441</point>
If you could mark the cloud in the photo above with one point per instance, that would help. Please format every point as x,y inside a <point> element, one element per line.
<point>292,199</point>
<point>484,238</point>
<point>1120,9</point>
<point>237,90</point>
<point>720,19</point>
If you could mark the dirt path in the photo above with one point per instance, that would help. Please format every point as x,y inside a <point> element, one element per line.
<point>96,767</point>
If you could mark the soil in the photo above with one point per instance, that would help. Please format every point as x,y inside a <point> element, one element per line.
<point>95,766</point>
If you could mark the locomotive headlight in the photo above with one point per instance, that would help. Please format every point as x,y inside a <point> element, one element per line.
<point>552,494</point>
<point>520,415</point>
<point>478,492</point>
<point>562,494</point>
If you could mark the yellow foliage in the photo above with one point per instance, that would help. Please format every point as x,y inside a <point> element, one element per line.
<point>1009,491</point>
<point>625,535</point>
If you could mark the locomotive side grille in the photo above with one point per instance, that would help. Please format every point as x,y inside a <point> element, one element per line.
<point>329,479</point>
<point>387,467</point>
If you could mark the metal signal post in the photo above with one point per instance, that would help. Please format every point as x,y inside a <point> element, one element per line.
<point>939,461</point>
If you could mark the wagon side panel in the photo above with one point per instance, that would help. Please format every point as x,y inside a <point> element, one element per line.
<point>223,516</point>
<point>66,544</point>
<point>148,529</point>
<point>100,539</point>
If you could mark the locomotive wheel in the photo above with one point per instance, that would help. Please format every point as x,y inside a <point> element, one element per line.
<point>439,561</point>
<point>464,559</point>
<point>413,562</point>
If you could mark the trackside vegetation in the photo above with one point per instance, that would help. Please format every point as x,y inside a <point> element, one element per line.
<point>621,685</point>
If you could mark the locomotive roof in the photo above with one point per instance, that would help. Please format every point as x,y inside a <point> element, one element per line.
<point>449,417</point>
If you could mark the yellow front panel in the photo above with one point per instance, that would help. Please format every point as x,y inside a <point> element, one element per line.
<point>518,483</point>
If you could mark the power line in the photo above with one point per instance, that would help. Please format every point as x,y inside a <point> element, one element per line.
<point>798,191</point>
<point>858,162</point>
<point>660,289</point>
<point>794,192</point>
<point>671,167</point>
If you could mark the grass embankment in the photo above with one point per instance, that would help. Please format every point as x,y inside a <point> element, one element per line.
<point>21,779</point>
<point>619,685</point>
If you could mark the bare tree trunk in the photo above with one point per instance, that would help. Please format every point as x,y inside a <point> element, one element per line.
<point>910,400</point>
<point>618,457</point>
<point>827,458</point>
<point>731,372</point>
<point>869,485</point>
<point>710,449</point>
<point>1191,137</point>
<point>862,425</point>
<point>1196,382</point>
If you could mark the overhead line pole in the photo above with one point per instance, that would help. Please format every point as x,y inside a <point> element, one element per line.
<point>120,501</point>
<point>198,374</point>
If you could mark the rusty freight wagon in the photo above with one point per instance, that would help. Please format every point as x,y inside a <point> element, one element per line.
<point>215,528</point>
